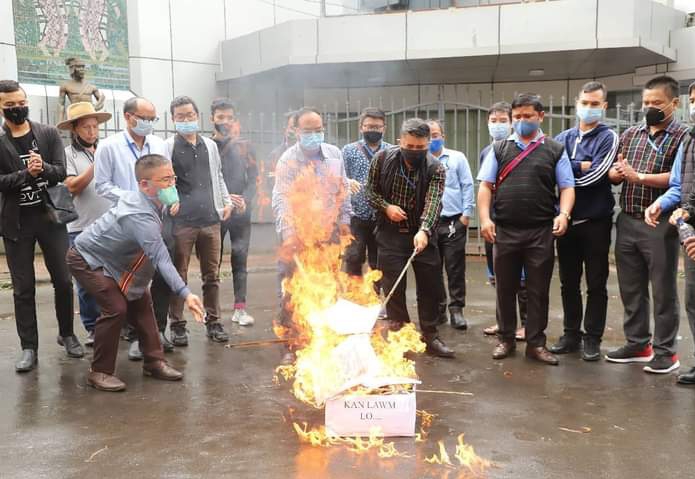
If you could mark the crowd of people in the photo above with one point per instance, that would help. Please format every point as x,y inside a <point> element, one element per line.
<point>142,204</point>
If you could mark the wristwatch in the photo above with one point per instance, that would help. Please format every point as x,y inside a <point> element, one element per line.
<point>566,215</point>
<point>427,231</point>
<point>641,177</point>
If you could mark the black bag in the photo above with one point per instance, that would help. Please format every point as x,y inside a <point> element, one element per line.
<point>61,208</point>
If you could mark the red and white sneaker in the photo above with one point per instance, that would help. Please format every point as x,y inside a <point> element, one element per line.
<point>662,364</point>
<point>631,354</point>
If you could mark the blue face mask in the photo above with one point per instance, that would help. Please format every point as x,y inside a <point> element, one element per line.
<point>436,145</point>
<point>143,127</point>
<point>590,115</point>
<point>498,131</point>
<point>168,196</point>
<point>311,141</point>
<point>526,128</point>
<point>186,127</point>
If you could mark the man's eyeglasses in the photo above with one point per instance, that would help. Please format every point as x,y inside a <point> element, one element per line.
<point>154,119</point>
<point>308,132</point>
<point>169,180</point>
<point>192,116</point>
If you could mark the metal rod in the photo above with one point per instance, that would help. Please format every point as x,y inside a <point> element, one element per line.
<point>400,277</point>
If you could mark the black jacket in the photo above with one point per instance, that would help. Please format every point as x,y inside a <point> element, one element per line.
<point>14,174</point>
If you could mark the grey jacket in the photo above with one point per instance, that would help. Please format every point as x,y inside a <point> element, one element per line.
<point>127,243</point>
<point>220,195</point>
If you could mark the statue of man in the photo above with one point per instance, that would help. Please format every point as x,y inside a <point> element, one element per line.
<point>77,89</point>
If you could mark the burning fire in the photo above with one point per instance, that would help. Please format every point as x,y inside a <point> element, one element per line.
<point>318,437</point>
<point>316,285</point>
<point>464,454</point>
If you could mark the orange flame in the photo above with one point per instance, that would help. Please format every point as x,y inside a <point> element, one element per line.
<point>313,205</point>
<point>318,437</point>
<point>465,455</point>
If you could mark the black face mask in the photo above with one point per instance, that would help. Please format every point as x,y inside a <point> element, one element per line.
<point>372,137</point>
<point>16,114</point>
<point>221,129</point>
<point>83,143</point>
<point>654,116</point>
<point>415,158</point>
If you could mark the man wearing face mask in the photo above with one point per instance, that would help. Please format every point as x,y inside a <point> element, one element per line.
<point>310,153</point>
<point>358,157</point>
<point>648,253</point>
<point>591,147</point>
<point>83,123</point>
<point>114,174</point>
<point>524,172</point>
<point>499,125</point>
<point>452,232</point>
<point>289,139</point>
<point>32,158</point>
<point>115,259</point>
<point>240,171</point>
<point>204,202</point>
<point>405,187</point>
<point>681,191</point>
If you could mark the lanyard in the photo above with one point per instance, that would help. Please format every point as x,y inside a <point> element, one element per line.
<point>658,149</point>
<point>408,180</point>
<point>132,148</point>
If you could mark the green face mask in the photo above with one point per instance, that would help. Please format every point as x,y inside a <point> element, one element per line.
<point>168,196</point>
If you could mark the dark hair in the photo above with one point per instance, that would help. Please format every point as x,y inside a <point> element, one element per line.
<point>416,127</point>
<point>438,122</point>
<point>147,163</point>
<point>305,110</point>
<point>69,61</point>
<point>292,115</point>
<point>669,85</point>
<point>500,107</point>
<point>691,88</point>
<point>131,104</point>
<point>181,101</point>
<point>222,104</point>
<point>375,113</point>
<point>10,86</point>
<point>528,99</point>
<point>592,86</point>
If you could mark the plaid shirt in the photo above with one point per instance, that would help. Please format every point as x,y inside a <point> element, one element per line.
<point>403,195</point>
<point>358,157</point>
<point>649,155</point>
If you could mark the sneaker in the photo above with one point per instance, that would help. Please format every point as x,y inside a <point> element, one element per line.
<point>89,342</point>
<point>592,349</point>
<point>631,354</point>
<point>662,364</point>
<point>242,317</point>
<point>167,346</point>
<point>216,332</point>
<point>178,335</point>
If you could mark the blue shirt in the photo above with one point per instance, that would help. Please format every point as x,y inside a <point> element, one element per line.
<point>358,157</point>
<point>114,163</point>
<point>564,177</point>
<point>672,198</point>
<point>458,189</point>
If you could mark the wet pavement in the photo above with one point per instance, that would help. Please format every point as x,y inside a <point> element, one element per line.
<point>226,418</point>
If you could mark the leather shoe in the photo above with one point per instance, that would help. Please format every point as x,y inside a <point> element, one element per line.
<point>541,354</point>
<point>688,378</point>
<point>72,346</point>
<point>503,349</point>
<point>105,382</point>
<point>457,320</point>
<point>436,347</point>
<point>167,345</point>
<point>134,352</point>
<point>26,362</point>
<point>161,370</point>
<point>565,345</point>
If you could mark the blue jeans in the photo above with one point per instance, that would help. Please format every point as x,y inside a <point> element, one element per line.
<point>89,309</point>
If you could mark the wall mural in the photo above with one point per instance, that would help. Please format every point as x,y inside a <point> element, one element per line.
<point>48,32</point>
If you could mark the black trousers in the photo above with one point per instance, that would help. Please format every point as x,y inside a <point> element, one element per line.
<point>239,229</point>
<point>53,240</point>
<point>394,249</point>
<point>521,296</point>
<point>531,249</point>
<point>452,254</point>
<point>584,249</point>
<point>363,246</point>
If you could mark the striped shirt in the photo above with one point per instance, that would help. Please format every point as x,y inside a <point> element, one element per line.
<point>403,195</point>
<point>650,155</point>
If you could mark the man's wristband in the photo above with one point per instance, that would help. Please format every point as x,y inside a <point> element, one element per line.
<point>566,215</point>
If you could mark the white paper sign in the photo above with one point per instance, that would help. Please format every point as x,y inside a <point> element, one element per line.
<point>356,415</point>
